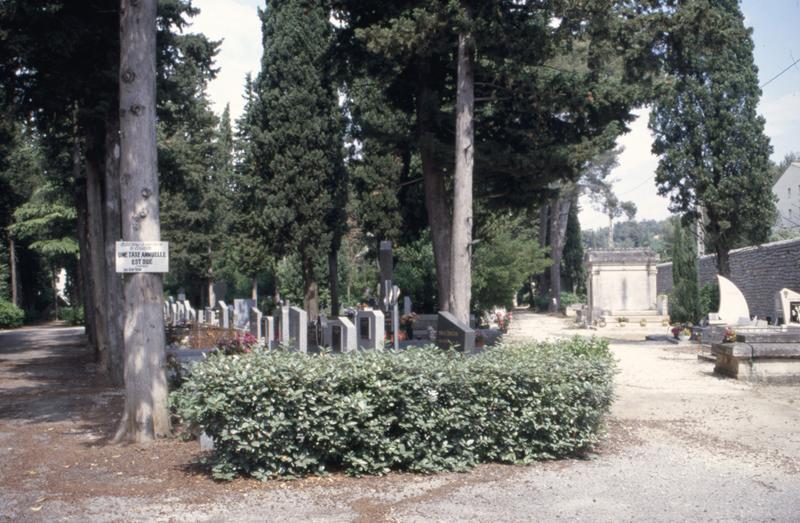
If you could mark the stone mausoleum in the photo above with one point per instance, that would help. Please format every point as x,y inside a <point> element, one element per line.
<point>621,283</point>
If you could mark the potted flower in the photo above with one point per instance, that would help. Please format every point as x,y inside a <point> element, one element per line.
<point>685,334</point>
<point>480,340</point>
<point>407,322</point>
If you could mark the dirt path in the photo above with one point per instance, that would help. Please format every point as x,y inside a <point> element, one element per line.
<point>682,445</point>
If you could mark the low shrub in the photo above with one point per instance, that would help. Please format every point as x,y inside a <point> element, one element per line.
<point>10,315</point>
<point>72,315</point>
<point>569,298</point>
<point>283,414</point>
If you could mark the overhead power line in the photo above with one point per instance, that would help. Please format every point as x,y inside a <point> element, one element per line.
<point>780,74</point>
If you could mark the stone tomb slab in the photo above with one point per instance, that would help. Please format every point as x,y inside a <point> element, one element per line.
<point>452,334</point>
<point>767,357</point>
<point>370,325</point>
<point>340,335</point>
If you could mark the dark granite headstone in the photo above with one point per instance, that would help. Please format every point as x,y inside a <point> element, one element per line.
<point>336,338</point>
<point>451,333</point>
<point>794,312</point>
<point>363,328</point>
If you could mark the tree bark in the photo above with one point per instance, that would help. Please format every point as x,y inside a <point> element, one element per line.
<point>97,267</point>
<point>461,237</point>
<point>12,262</point>
<point>146,415</point>
<point>436,202</point>
<point>84,265</point>
<point>112,222</point>
<point>333,281</point>
<point>723,262</point>
<point>310,294</point>
<point>610,231</point>
<point>254,289</point>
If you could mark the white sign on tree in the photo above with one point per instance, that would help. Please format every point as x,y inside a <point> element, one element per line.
<point>143,256</point>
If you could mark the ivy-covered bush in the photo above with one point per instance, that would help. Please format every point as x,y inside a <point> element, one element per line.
<point>282,414</point>
<point>10,315</point>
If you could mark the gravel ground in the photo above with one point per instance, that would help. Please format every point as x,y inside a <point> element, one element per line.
<point>681,445</point>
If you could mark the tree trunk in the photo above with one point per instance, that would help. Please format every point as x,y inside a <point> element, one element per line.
<point>146,415</point>
<point>558,231</point>
<point>436,203</point>
<point>310,294</point>
<point>12,262</point>
<point>84,265</point>
<point>112,223</point>
<point>610,232</point>
<point>254,289</point>
<point>723,262</point>
<point>97,267</point>
<point>333,281</point>
<point>543,280</point>
<point>461,237</point>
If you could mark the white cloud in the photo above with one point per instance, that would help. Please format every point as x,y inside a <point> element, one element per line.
<point>235,22</point>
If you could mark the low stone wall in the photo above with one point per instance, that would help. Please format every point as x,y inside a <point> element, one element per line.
<point>758,271</point>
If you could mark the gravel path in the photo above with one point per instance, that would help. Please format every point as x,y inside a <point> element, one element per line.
<point>682,445</point>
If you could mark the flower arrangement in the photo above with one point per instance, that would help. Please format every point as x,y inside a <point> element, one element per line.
<point>239,344</point>
<point>729,336</point>
<point>503,319</point>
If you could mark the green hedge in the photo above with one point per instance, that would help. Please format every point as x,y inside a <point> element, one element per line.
<point>10,315</point>
<point>279,414</point>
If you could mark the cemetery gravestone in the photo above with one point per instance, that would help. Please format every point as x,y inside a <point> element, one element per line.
<point>340,335</point>
<point>282,325</point>
<point>370,324</point>
<point>733,309</point>
<point>255,323</point>
<point>223,315</point>
<point>407,306</point>
<point>241,316</point>
<point>268,331</point>
<point>298,328</point>
<point>451,333</point>
<point>787,306</point>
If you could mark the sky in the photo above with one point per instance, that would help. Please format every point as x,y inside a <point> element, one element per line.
<point>775,23</point>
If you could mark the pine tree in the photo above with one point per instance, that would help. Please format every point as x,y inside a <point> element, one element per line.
<point>300,134</point>
<point>684,301</point>
<point>714,154</point>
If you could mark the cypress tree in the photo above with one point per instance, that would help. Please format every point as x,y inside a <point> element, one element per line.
<point>714,154</point>
<point>685,299</point>
<point>572,270</point>
<point>299,143</point>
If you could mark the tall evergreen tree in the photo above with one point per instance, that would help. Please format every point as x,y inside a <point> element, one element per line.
<point>536,119</point>
<point>299,142</point>
<point>714,154</point>
<point>573,271</point>
<point>685,298</point>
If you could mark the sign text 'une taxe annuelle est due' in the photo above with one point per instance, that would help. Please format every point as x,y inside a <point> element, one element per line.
<point>142,257</point>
